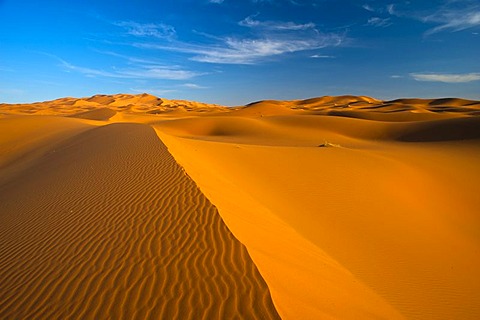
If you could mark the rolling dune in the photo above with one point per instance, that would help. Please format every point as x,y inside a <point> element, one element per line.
<point>350,208</point>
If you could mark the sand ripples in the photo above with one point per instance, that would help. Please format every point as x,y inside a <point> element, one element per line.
<point>109,227</point>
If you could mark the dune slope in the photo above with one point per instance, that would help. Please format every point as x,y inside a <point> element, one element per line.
<point>109,227</point>
<point>390,207</point>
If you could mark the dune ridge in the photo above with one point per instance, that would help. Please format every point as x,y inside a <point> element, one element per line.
<point>84,239</point>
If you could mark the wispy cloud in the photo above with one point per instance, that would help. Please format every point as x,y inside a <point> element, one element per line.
<point>271,38</point>
<point>157,72</point>
<point>368,8</point>
<point>446,78</point>
<point>147,70</point>
<point>321,56</point>
<point>193,86</point>
<point>249,51</point>
<point>451,15</point>
<point>379,22</point>
<point>380,9</point>
<point>90,72</point>
<point>275,25</point>
<point>454,19</point>
<point>396,76</point>
<point>216,1</point>
<point>156,30</point>
<point>391,9</point>
<point>129,59</point>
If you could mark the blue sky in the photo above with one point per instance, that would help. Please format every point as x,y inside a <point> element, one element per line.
<point>233,52</point>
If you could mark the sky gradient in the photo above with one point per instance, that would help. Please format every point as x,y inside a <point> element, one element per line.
<point>233,52</point>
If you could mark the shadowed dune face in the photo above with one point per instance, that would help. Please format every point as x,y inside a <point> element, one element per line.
<point>350,208</point>
<point>101,114</point>
<point>442,130</point>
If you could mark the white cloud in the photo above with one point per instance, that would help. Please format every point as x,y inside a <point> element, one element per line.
<point>391,9</point>
<point>132,59</point>
<point>379,22</point>
<point>452,15</point>
<point>381,9</point>
<point>250,51</point>
<point>272,39</point>
<point>275,25</point>
<point>216,1</point>
<point>446,78</point>
<point>156,30</point>
<point>146,71</point>
<point>193,86</point>
<point>368,8</point>
<point>90,72</point>
<point>396,76</point>
<point>157,72</point>
<point>245,51</point>
<point>320,56</point>
<point>454,20</point>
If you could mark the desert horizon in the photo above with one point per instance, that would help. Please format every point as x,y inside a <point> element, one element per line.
<point>336,207</point>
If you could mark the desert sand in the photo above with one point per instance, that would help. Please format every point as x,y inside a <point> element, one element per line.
<point>136,207</point>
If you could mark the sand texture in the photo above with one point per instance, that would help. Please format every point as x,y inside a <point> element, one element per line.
<point>106,225</point>
<point>350,208</point>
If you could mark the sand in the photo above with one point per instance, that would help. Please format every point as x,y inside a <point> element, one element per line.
<point>106,225</point>
<point>326,208</point>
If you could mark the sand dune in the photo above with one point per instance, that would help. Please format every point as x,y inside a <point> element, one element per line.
<point>138,104</point>
<point>101,114</point>
<point>350,208</point>
<point>442,130</point>
<point>108,226</point>
<point>24,139</point>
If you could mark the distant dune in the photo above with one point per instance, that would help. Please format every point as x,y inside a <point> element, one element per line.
<point>138,207</point>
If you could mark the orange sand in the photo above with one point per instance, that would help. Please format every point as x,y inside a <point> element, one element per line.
<point>350,208</point>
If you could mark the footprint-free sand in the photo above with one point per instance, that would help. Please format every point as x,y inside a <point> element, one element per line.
<point>137,207</point>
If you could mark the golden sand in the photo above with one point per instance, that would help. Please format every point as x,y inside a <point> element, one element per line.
<point>106,225</point>
<point>349,207</point>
